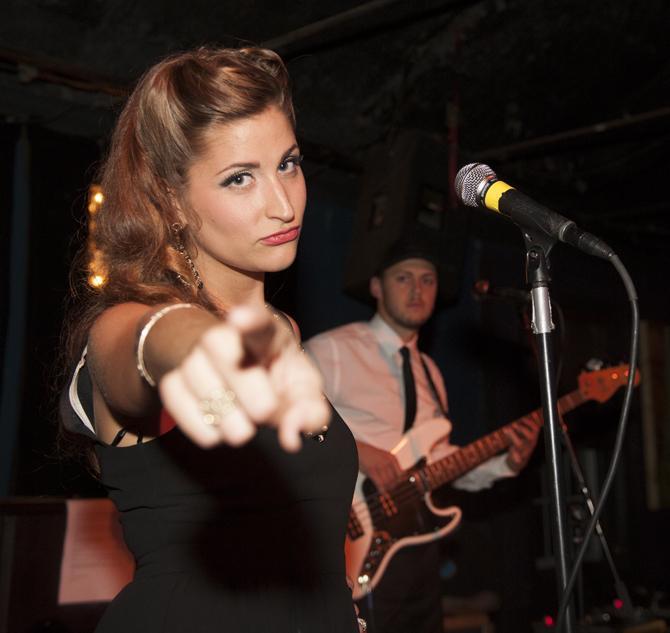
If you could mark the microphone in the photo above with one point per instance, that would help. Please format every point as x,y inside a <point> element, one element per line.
<point>477,185</point>
<point>482,289</point>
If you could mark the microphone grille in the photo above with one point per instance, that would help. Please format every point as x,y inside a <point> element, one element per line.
<point>467,182</point>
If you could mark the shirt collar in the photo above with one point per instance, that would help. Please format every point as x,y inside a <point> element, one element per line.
<point>387,338</point>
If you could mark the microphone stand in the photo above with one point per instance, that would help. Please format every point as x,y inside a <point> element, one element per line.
<point>620,588</point>
<point>538,245</point>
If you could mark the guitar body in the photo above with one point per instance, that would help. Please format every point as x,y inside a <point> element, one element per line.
<point>382,524</point>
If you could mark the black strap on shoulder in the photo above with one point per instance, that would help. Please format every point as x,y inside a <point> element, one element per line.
<point>118,437</point>
<point>122,433</point>
<point>432,386</point>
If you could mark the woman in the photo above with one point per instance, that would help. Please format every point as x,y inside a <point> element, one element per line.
<point>232,480</point>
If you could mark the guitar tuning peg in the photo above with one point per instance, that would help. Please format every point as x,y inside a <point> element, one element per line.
<point>594,364</point>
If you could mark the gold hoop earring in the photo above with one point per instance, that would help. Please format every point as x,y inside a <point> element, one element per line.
<point>177,229</point>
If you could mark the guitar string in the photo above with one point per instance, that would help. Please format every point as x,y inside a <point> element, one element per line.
<point>402,493</point>
<point>534,417</point>
<point>450,471</point>
<point>408,489</point>
<point>376,512</point>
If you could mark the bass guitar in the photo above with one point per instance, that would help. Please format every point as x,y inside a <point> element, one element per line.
<point>381,523</point>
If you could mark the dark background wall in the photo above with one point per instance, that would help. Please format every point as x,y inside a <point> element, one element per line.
<point>483,350</point>
<point>566,100</point>
<point>60,171</point>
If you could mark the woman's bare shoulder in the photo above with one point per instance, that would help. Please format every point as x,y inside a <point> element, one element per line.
<point>119,320</point>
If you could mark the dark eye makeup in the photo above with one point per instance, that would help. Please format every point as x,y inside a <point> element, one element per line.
<point>238,178</point>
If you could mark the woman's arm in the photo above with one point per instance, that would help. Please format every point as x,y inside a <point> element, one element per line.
<point>248,368</point>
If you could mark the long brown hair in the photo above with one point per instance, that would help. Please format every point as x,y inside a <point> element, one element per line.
<point>160,132</point>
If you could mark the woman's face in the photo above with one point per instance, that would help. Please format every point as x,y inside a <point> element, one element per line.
<point>248,192</point>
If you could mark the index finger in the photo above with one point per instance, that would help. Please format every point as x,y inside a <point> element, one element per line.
<point>262,337</point>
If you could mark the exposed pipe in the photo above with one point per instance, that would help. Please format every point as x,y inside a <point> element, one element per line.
<point>34,67</point>
<point>541,142</point>
<point>356,22</point>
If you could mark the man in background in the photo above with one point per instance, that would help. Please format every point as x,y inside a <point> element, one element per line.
<point>382,385</point>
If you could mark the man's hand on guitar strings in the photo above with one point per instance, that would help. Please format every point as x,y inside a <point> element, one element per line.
<point>380,465</point>
<point>523,438</point>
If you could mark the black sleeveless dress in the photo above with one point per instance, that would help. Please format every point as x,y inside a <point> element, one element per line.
<point>246,539</point>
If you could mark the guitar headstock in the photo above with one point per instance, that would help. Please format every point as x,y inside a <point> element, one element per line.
<point>602,384</point>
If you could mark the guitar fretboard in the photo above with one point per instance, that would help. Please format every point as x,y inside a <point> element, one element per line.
<point>465,459</point>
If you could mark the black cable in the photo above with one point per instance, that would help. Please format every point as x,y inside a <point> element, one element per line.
<point>618,445</point>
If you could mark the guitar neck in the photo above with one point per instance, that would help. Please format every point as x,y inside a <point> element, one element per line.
<point>465,459</point>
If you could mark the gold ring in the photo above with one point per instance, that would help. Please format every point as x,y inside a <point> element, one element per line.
<point>215,408</point>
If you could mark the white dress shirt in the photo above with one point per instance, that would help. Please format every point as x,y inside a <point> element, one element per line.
<point>362,371</point>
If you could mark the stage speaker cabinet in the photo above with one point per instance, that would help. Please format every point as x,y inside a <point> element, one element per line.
<point>406,189</point>
<point>31,547</point>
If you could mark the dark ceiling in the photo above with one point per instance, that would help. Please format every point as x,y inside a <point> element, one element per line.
<point>568,99</point>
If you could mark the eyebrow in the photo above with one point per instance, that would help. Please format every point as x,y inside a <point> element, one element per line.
<point>255,165</point>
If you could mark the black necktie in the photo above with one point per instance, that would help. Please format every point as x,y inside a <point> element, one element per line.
<point>410,388</point>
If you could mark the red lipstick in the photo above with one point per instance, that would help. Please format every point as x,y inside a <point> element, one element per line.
<point>282,237</point>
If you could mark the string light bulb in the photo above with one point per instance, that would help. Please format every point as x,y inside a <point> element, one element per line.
<point>96,266</point>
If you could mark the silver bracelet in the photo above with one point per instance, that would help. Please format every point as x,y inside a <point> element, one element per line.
<point>159,314</point>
